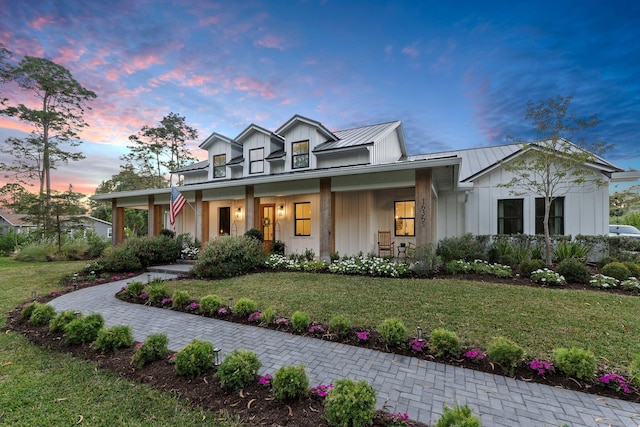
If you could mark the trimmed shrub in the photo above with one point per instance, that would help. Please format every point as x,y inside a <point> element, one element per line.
<point>528,266</point>
<point>634,269</point>
<point>210,304</point>
<point>119,259</point>
<point>290,382</point>
<point>157,291</point>
<point>575,362</point>
<point>229,256</point>
<point>134,289</point>
<point>59,323</point>
<point>255,234</point>
<point>458,416</point>
<point>300,321</point>
<point>466,247</point>
<point>617,270</point>
<point>238,370</point>
<point>113,338</point>
<point>27,310</point>
<point>154,250</point>
<point>83,329</point>
<point>350,404</point>
<point>152,349</point>
<point>179,300</point>
<point>445,342</point>
<point>574,270</point>
<point>505,352</point>
<point>244,307</point>
<point>194,359</point>
<point>339,325</point>
<point>393,332</point>
<point>42,314</point>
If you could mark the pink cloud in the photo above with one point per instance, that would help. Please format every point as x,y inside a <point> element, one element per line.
<point>141,62</point>
<point>411,51</point>
<point>112,74</point>
<point>271,42</point>
<point>68,54</point>
<point>41,21</point>
<point>253,87</point>
<point>209,20</point>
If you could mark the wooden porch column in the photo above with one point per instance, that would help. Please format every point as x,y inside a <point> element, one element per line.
<point>205,224</point>
<point>198,216</point>
<point>423,207</point>
<point>117,223</point>
<point>155,217</point>
<point>327,223</point>
<point>249,208</point>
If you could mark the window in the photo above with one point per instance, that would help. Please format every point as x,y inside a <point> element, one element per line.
<point>220,166</point>
<point>224,221</point>
<point>405,216</point>
<point>256,160</point>
<point>300,155</point>
<point>510,216</point>
<point>109,232</point>
<point>556,216</point>
<point>303,219</point>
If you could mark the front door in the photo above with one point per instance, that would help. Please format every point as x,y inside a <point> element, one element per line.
<point>268,224</point>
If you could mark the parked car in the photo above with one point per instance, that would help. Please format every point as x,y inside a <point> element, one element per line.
<point>624,231</point>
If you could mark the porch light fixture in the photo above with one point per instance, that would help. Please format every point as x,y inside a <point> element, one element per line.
<point>216,356</point>
<point>281,210</point>
<point>239,213</point>
<point>419,334</point>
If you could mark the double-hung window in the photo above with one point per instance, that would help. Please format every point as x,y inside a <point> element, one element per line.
<point>256,160</point>
<point>300,155</point>
<point>510,214</point>
<point>405,218</point>
<point>302,214</point>
<point>220,166</point>
<point>556,216</point>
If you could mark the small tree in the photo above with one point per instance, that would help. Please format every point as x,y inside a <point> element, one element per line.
<point>551,166</point>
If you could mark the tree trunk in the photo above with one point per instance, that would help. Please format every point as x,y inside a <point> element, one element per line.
<point>547,237</point>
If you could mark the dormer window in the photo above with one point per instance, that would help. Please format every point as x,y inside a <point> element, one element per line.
<point>219,166</point>
<point>300,155</point>
<point>256,160</point>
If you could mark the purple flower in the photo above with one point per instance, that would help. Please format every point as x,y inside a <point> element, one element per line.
<point>416,345</point>
<point>316,328</point>
<point>144,295</point>
<point>171,356</point>
<point>265,380</point>
<point>618,381</point>
<point>321,390</point>
<point>193,305</point>
<point>167,300</point>
<point>255,316</point>
<point>474,354</point>
<point>138,344</point>
<point>363,336</point>
<point>115,278</point>
<point>541,366</point>
<point>55,293</point>
<point>223,311</point>
<point>282,321</point>
<point>122,289</point>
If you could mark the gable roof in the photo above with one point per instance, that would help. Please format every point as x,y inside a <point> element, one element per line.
<point>217,136</point>
<point>15,220</point>
<point>362,136</point>
<point>298,118</point>
<point>255,128</point>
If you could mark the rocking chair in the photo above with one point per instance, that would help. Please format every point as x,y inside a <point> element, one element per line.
<point>384,243</point>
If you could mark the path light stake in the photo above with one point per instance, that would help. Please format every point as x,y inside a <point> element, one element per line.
<point>419,334</point>
<point>33,295</point>
<point>216,356</point>
<point>230,304</point>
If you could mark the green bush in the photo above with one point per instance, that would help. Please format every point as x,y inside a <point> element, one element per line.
<point>113,338</point>
<point>505,352</point>
<point>194,359</point>
<point>530,265</point>
<point>466,247</point>
<point>11,242</point>
<point>180,299</point>
<point>393,332</point>
<point>229,256</point>
<point>426,262</point>
<point>75,250</point>
<point>458,416</point>
<point>300,321</point>
<point>617,270</point>
<point>634,269</point>
<point>96,244</point>
<point>157,291</point>
<point>60,322</point>
<point>42,314</point>
<point>210,304</point>
<point>574,270</point>
<point>244,307</point>
<point>339,325</point>
<point>134,289</point>
<point>40,252</point>
<point>83,329</point>
<point>268,316</point>
<point>445,342</point>
<point>152,349</point>
<point>119,259</point>
<point>575,362</point>
<point>255,234</point>
<point>290,383</point>
<point>564,250</point>
<point>154,250</point>
<point>350,404</point>
<point>238,370</point>
<point>27,310</point>
<point>634,370</point>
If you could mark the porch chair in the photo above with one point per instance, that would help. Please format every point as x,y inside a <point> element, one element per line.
<point>384,242</point>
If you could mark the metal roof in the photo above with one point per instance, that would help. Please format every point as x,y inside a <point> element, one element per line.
<point>361,136</point>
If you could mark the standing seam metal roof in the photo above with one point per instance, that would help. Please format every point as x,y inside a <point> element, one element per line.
<point>357,136</point>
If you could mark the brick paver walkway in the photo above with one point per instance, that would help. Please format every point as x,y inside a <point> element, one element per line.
<point>404,384</point>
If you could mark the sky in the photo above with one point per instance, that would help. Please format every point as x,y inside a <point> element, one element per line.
<point>457,74</point>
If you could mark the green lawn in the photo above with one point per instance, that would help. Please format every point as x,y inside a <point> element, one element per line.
<point>42,388</point>
<point>538,319</point>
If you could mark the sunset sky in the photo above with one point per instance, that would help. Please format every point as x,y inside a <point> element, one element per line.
<point>457,74</point>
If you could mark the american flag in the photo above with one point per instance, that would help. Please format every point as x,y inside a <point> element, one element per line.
<point>176,205</point>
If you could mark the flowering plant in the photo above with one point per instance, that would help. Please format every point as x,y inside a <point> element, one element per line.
<point>194,306</point>
<point>316,328</point>
<point>265,380</point>
<point>602,281</point>
<point>474,355</point>
<point>223,311</point>
<point>167,300</point>
<point>282,321</point>
<point>542,367</point>
<point>547,277</point>
<point>254,317</point>
<point>321,390</point>
<point>189,252</point>
<point>398,419</point>
<point>143,295</point>
<point>416,344</point>
<point>363,336</point>
<point>618,382</point>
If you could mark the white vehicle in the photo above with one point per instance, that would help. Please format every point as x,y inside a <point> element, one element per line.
<point>624,231</point>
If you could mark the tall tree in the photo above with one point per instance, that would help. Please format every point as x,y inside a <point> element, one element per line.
<point>56,116</point>
<point>551,166</point>
<point>5,66</point>
<point>157,151</point>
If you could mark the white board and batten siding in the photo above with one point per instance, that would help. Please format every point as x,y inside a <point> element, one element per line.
<point>386,150</point>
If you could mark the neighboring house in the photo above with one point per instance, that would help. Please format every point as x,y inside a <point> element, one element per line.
<point>18,224</point>
<point>101,227</point>
<point>312,188</point>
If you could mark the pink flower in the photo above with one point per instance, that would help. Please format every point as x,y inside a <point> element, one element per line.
<point>474,354</point>
<point>363,336</point>
<point>265,380</point>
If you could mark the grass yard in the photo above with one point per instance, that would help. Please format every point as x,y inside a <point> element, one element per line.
<point>42,388</point>
<point>536,318</point>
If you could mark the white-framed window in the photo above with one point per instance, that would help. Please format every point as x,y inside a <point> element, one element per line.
<point>300,155</point>
<point>219,165</point>
<point>256,160</point>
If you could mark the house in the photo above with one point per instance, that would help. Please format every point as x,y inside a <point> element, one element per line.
<point>333,191</point>
<point>18,223</point>
<point>12,222</point>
